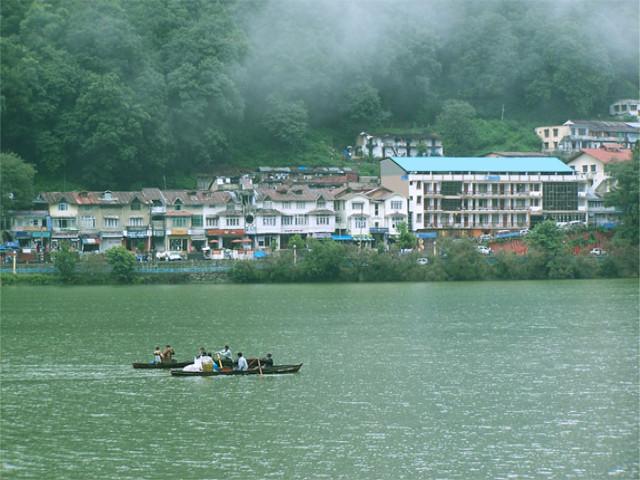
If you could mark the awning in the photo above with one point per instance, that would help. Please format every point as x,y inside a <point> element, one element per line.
<point>22,234</point>
<point>137,233</point>
<point>321,235</point>
<point>425,235</point>
<point>363,238</point>
<point>40,234</point>
<point>198,238</point>
<point>342,238</point>
<point>90,241</point>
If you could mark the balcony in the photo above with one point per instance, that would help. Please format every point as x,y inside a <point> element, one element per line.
<point>157,210</point>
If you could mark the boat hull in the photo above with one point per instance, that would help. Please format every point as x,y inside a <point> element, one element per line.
<point>275,370</point>
<point>161,365</point>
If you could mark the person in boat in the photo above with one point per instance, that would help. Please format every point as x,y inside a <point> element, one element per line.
<point>157,355</point>
<point>206,362</point>
<point>167,354</point>
<point>242,363</point>
<point>267,361</point>
<point>226,353</point>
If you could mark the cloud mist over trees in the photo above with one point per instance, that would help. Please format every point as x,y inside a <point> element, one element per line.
<point>116,93</point>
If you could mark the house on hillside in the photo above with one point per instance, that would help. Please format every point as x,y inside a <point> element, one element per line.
<point>573,136</point>
<point>592,164</point>
<point>381,145</point>
<point>625,107</point>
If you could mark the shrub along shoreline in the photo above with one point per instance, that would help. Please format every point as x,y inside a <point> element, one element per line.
<point>328,261</point>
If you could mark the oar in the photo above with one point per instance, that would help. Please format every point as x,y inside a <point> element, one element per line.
<point>259,366</point>
<point>219,361</point>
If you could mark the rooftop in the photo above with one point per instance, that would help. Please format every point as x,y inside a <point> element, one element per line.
<point>482,164</point>
<point>608,155</point>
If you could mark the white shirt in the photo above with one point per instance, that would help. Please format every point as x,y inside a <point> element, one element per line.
<point>225,353</point>
<point>242,364</point>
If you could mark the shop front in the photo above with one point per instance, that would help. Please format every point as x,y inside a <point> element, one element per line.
<point>90,243</point>
<point>198,239</point>
<point>110,240</point>
<point>221,238</point>
<point>138,239</point>
<point>179,240</point>
<point>58,238</point>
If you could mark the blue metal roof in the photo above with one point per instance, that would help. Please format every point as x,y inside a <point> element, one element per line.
<point>483,164</point>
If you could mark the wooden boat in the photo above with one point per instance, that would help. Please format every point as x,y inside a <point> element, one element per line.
<point>274,370</point>
<point>164,365</point>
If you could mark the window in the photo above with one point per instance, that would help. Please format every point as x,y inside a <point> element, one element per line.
<point>585,168</point>
<point>287,220</point>
<point>396,220</point>
<point>178,206</point>
<point>534,187</point>
<point>269,221</point>
<point>87,222</point>
<point>546,145</point>
<point>521,187</point>
<point>451,188</point>
<point>267,204</point>
<point>560,196</point>
<point>286,204</point>
<point>546,133</point>
<point>63,206</point>
<point>63,223</point>
<point>593,168</point>
<point>179,221</point>
<point>555,132</point>
<point>419,200</point>
<point>357,206</point>
<point>321,203</point>
<point>107,195</point>
<point>300,205</point>
<point>301,219</point>
<point>396,205</point>
<point>232,222</point>
<point>482,188</point>
<point>582,131</point>
<point>212,221</point>
<point>520,204</point>
<point>196,221</point>
<point>483,203</point>
<point>419,218</point>
<point>535,202</point>
<point>111,222</point>
<point>360,222</point>
<point>322,220</point>
<point>135,205</point>
<point>450,204</point>
<point>136,222</point>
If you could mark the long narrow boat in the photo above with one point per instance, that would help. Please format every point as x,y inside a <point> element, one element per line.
<point>274,370</point>
<point>161,364</point>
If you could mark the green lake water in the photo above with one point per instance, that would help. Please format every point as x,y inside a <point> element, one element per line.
<point>484,380</point>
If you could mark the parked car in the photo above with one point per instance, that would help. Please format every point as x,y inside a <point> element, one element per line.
<point>597,252</point>
<point>422,261</point>
<point>484,250</point>
<point>169,256</point>
<point>484,238</point>
<point>524,231</point>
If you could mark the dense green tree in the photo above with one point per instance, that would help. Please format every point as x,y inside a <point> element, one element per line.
<point>123,263</point>
<point>406,239</point>
<point>456,126</point>
<point>65,260</point>
<point>286,121</point>
<point>625,196</point>
<point>16,183</point>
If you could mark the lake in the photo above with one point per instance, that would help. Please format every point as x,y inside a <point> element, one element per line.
<point>467,380</point>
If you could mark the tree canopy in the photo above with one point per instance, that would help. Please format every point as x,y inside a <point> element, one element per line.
<point>118,93</point>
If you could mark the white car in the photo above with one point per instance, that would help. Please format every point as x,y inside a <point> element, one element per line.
<point>524,231</point>
<point>484,250</point>
<point>597,252</point>
<point>169,256</point>
<point>423,261</point>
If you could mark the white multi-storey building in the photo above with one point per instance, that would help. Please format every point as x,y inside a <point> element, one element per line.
<point>470,196</point>
<point>285,211</point>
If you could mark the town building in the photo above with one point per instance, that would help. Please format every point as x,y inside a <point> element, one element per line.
<point>380,145</point>
<point>592,164</point>
<point>470,196</point>
<point>625,107</point>
<point>573,136</point>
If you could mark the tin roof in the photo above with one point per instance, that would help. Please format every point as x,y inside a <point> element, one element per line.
<point>482,164</point>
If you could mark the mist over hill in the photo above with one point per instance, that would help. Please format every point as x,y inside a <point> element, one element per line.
<point>123,93</point>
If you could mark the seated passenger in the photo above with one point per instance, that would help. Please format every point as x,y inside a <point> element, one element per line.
<point>167,354</point>
<point>242,363</point>
<point>196,366</point>
<point>157,355</point>
<point>206,362</point>
<point>267,361</point>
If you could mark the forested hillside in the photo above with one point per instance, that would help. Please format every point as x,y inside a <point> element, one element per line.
<point>124,93</point>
